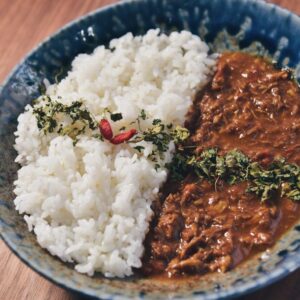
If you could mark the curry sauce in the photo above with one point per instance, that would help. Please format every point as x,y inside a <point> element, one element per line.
<point>201,227</point>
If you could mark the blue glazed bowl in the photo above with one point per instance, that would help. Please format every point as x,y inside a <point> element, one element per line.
<point>251,26</point>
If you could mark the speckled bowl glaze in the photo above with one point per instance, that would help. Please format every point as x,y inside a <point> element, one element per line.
<point>224,24</point>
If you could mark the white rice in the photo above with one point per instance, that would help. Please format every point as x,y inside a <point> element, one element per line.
<point>90,203</point>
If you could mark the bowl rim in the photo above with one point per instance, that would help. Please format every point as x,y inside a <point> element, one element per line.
<point>244,288</point>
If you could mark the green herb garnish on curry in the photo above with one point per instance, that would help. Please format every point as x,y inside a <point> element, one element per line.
<point>234,167</point>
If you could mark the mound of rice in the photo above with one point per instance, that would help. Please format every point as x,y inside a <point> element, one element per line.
<point>90,203</point>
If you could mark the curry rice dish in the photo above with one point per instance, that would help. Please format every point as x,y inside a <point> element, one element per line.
<point>154,157</point>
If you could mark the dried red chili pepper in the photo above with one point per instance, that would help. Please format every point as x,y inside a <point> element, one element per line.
<point>123,137</point>
<point>105,129</point>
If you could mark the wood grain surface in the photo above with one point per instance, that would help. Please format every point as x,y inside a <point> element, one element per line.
<point>23,24</point>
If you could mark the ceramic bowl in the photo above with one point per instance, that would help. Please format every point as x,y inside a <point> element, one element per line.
<point>224,24</point>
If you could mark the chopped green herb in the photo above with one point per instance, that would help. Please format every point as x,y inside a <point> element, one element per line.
<point>156,122</point>
<point>98,136</point>
<point>234,167</point>
<point>180,134</point>
<point>116,117</point>
<point>179,166</point>
<point>139,148</point>
<point>156,166</point>
<point>48,112</point>
<point>160,136</point>
<point>143,115</point>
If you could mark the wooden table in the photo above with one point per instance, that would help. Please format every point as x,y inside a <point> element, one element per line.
<point>24,23</point>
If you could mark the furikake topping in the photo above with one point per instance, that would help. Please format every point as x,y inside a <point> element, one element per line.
<point>160,135</point>
<point>49,112</point>
<point>234,167</point>
<point>116,117</point>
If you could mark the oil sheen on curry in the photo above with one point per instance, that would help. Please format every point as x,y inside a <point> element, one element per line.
<point>201,226</point>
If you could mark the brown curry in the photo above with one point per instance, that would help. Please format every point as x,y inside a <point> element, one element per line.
<point>199,227</point>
